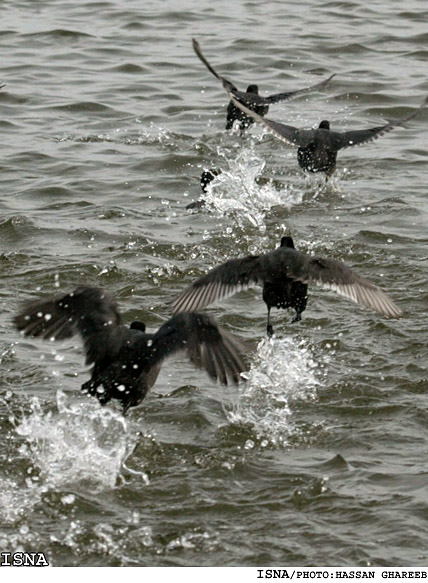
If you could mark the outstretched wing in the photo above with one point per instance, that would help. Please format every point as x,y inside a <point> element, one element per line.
<point>226,84</point>
<point>289,134</point>
<point>221,282</point>
<point>91,312</point>
<point>359,137</point>
<point>334,275</point>
<point>291,94</point>
<point>207,346</point>
<point>276,266</point>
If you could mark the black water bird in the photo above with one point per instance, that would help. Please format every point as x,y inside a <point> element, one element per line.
<point>207,177</point>
<point>284,274</point>
<point>127,360</point>
<point>318,148</point>
<point>251,97</point>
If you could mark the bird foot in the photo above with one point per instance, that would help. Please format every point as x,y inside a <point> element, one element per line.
<point>270,330</point>
<point>296,318</point>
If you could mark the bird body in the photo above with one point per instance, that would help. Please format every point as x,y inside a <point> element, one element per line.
<point>249,97</point>
<point>284,274</point>
<point>130,374</point>
<point>127,360</point>
<point>320,154</point>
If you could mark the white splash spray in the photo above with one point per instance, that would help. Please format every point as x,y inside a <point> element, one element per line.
<point>236,193</point>
<point>283,371</point>
<point>83,442</point>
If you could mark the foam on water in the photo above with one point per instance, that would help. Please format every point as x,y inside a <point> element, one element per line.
<point>82,442</point>
<point>283,371</point>
<point>236,193</point>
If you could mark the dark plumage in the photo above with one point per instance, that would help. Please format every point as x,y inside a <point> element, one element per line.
<point>251,97</point>
<point>284,274</point>
<point>127,360</point>
<point>318,148</point>
<point>207,176</point>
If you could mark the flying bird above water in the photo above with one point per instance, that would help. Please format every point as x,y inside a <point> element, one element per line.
<point>251,97</point>
<point>127,360</point>
<point>318,148</point>
<point>284,274</point>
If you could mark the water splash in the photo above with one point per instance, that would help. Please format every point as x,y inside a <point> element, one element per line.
<point>83,442</point>
<point>16,500</point>
<point>236,192</point>
<point>153,135</point>
<point>284,370</point>
<point>147,135</point>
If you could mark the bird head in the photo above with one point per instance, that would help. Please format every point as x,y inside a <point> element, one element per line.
<point>287,242</point>
<point>324,125</point>
<point>253,89</point>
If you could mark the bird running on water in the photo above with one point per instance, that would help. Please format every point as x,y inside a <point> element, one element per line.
<point>284,274</point>
<point>251,97</point>
<point>127,360</point>
<point>318,148</point>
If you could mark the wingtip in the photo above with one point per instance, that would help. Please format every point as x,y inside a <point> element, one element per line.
<point>396,313</point>
<point>196,47</point>
<point>324,83</point>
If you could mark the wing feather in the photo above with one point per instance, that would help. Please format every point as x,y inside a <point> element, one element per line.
<point>286,96</point>
<point>221,282</point>
<point>360,137</point>
<point>335,275</point>
<point>289,134</point>
<point>91,312</point>
<point>207,345</point>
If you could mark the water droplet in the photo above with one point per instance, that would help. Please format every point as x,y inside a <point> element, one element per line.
<point>249,444</point>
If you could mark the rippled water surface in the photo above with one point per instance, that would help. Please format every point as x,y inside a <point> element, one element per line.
<point>107,121</point>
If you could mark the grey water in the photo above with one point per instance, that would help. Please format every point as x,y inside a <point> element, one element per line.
<point>107,121</point>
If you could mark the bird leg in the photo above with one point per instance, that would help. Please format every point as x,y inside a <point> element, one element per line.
<point>269,327</point>
<point>297,317</point>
